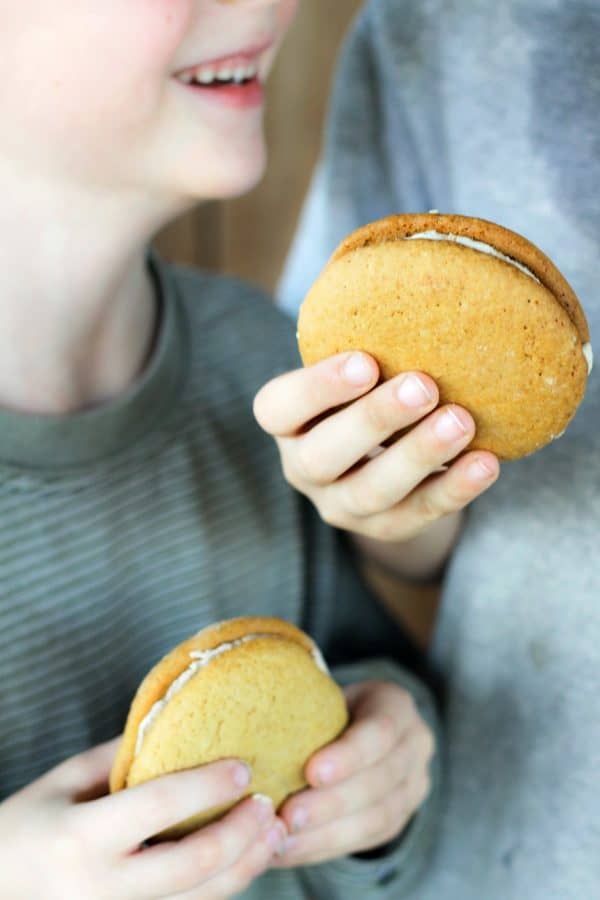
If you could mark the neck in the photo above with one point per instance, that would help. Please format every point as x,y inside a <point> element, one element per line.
<point>77,309</point>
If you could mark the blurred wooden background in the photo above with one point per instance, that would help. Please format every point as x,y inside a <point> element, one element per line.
<point>249,236</point>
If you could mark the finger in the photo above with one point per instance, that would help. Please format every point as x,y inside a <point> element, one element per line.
<point>380,716</point>
<point>436,497</point>
<point>234,881</point>
<point>124,820</point>
<point>359,831</point>
<point>81,773</point>
<point>453,490</point>
<point>284,405</point>
<point>315,808</point>
<point>333,446</point>
<point>185,865</point>
<point>390,476</point>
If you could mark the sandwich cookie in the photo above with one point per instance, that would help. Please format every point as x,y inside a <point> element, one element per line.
<point>474,305</point>
<point>252,688</point>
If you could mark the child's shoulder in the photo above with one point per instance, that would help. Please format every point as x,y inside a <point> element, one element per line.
<point>213,300</point>
<point>228,320</point>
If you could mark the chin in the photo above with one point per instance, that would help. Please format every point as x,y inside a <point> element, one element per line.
<point>234,183</point>
<point>225,179</point>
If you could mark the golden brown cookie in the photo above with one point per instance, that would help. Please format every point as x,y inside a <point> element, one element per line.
<point>476,306</point>
<point>253,688</point>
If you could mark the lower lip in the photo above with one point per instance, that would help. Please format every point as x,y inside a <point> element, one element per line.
<point>233,96</point>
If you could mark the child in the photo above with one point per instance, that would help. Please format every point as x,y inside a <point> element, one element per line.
<point>492,110</point>
<point>139,501</point>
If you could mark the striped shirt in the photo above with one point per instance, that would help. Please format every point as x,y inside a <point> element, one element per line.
<point>127,528</point>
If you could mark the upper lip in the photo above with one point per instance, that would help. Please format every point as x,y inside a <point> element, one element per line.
<point>247,54</point>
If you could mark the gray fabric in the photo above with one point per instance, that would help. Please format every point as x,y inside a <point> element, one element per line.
<point>125,529</point>
<point>492,109</point>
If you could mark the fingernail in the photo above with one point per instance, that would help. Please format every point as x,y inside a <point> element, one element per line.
<point>357,369</point>
<point>480,471</point>
<point>413,392</point>
<point>299,819</point>
<point>449,427</point>
<point>264,806</point>
<point>276,838</point>
<point>242,775</point>
<point>326,772</point>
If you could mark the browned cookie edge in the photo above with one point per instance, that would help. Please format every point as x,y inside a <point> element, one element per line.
<point>503,239</point>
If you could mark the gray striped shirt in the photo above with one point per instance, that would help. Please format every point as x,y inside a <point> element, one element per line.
<point>129,527</point>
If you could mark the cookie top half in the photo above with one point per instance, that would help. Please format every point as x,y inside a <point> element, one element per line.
<point>476,306</point>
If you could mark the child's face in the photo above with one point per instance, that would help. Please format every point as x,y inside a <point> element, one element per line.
<point>88,93</point>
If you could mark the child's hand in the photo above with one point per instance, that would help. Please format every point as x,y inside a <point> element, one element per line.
<point>57,842</point>
<point>365,786</point>
<point>324,449</point>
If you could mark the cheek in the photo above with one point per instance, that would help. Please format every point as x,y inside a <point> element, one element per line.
<point>104,69</point>
<point>157,28</point>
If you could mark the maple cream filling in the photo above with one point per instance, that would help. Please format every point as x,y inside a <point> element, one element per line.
<point>201,658</point>
<point>482,247</point>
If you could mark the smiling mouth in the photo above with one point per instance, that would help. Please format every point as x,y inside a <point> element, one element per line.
<point>238,70</point>
<point>211,76</point>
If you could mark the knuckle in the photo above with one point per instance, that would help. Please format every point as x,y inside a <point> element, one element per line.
<point>253,867</point>
<point>160,793</point>
<point>356,758</point>
<point>394,813</point>
<point>428,506</point>
<point>310,463</point>
<point>209,855</point>
<point>377,414</point>
<point>397,765</point>
<point>376,822</point>
<point>81,768</point>
<point>325,375</point>
<point>290,471</point>
<point>386,730</point>
<point>262,406</point>
<point>72,851</point>
<point>421,454</point>
<point>334,807</point>
<point>68,846</point>
<point>331,514</point>
<point>189,872</point>
<point>357,496</point>
<point>384,528</point>
<point>457,495</point>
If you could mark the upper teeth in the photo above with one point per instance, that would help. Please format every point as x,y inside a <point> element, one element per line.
<point>209,74</point>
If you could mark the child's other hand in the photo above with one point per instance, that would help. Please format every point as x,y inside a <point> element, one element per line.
<point>325,449</point>
<point>364,787</point>
<point>58,842</point>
